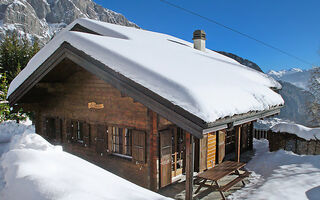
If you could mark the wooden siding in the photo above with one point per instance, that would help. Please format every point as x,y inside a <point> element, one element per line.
<point>211,153</point>
<point>67,100</point>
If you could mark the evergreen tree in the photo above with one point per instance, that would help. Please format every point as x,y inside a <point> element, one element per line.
<point>4,104</point>
<point>15,53</point>
<point>7,112</point>
<point>313,106</point>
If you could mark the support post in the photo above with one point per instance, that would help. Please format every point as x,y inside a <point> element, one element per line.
<point>250,147</point>
<point>238,139</point>
<point>154,151</point>
<point>189,165</point>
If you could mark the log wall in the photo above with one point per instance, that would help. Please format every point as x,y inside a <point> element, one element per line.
<point>70,102</point>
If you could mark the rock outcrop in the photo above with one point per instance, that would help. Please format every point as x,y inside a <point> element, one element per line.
<point>41,19</point>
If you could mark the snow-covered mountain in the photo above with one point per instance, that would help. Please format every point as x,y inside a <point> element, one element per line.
<point>295,76</point>
<point>41,19</point>
<point>295,93</point>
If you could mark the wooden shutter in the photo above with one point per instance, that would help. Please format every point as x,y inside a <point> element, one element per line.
<point>71,129</point>
<point>221,146</point>
<point>109,142</point>
<point>58,123</point>
<point>203,153</point>
<point>138,146</point>
<point>44,127</point>
<point>165,157</point>
<point>86,134</point>
<point>244,137</point>
<point>101,139</point>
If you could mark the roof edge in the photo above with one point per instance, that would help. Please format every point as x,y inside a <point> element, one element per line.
<point>241,119</point>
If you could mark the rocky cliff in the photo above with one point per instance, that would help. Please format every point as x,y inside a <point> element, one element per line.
<point>41,19</point>
<point>241,60</point>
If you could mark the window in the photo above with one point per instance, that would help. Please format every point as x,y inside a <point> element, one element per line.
<point>76,131</point>
<point>122,141</point>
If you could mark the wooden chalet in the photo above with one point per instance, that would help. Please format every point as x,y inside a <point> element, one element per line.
<point>110,118</point>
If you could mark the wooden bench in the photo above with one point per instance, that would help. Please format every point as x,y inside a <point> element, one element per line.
<point>224,169</point>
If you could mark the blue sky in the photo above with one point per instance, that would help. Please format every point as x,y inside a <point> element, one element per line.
<point>291,25</point>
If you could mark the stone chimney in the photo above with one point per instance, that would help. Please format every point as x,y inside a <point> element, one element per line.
<point>199,40</point>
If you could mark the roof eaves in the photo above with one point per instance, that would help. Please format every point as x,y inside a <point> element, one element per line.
<point>240,119</point>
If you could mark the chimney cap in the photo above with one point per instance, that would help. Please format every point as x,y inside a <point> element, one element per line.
<point>199,34</point>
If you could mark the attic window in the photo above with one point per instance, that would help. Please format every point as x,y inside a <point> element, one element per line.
<point>79,28</point>
<point>178,42</point>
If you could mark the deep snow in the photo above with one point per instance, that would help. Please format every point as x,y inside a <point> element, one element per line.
<point>170,67</point>
<point>281,175</point>
<point>33,169</point>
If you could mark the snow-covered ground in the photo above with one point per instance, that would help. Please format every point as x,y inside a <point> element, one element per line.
<point>33,169</point>
<point>286,126</point>
<point>281,175</point>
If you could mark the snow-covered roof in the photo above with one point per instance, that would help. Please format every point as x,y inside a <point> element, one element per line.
<point>206,84</point>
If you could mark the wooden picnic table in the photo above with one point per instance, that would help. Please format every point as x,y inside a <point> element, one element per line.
<point>224,169</point>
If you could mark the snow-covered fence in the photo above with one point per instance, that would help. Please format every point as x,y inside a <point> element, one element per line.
<point>258,134</point>
<point>291,142</point>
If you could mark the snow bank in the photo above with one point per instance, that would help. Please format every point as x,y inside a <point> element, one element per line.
<point>170,67</point>
<point>281,175</point>
<point>280,125</point>
<point>33,169</point>
<point>297,129</point>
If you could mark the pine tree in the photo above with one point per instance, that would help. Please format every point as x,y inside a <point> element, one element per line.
<point>4,104</point>
<point>7,112</point>
<point>313,106</point>
<point>15,53</point>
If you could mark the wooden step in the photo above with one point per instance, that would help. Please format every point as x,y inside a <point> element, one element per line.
<point>234,181</point>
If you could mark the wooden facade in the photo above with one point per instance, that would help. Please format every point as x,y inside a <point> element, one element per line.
<point>95,121</point>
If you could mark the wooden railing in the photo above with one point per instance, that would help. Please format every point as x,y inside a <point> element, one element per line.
<point>258,134</point>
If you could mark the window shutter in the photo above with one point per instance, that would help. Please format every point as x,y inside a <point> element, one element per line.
<point>58,124</point>
<point>44,127</point>
<point>138,146</point>
<point>100,139</point>
<point>70,130</point>
<point>86,134</point>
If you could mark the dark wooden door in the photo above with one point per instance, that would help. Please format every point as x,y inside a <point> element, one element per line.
<point>101,139</point>
<point>165,157</point>
<point>221,146</point>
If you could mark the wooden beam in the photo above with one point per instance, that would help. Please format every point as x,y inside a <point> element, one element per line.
<point>154,151</point>
<point>189,165</point>
<point>238,139</point>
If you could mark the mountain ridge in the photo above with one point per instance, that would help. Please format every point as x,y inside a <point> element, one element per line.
<point>42,19</point>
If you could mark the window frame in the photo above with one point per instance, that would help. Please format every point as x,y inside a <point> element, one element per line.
<point>121,141</point>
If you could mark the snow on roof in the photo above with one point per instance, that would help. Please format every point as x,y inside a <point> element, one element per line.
<point>206,84</point>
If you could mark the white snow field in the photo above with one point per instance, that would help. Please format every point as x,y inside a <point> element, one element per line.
<point>281,175</point>
<point>169,67</point>
<point>33,169</point>
<point>280,125</point>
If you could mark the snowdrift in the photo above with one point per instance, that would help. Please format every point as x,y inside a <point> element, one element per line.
<point>34,169</point>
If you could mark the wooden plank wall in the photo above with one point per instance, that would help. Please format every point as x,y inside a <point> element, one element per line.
<point>70,102</point>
